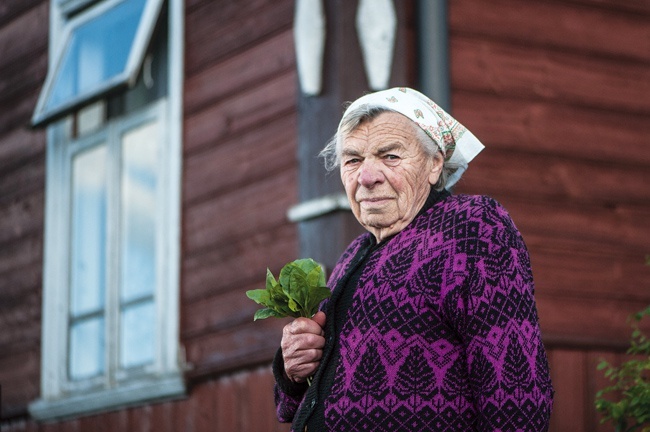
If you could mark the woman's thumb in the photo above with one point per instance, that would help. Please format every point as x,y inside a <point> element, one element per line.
<point>320,318</point>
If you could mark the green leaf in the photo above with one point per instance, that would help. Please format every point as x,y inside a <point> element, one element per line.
<point>270,280</point>
<point>265,313</point>
<point>259,296</point>
<point>306,265</point>
<point>316,297</point>
<point>280,301</point>
<point>285,275</point>
<point>316,277</point>
<point>299,287</point>
<point>602,365</point>
<point>295,307</point>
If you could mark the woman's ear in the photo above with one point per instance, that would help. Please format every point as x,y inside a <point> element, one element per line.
<point>436,169</point>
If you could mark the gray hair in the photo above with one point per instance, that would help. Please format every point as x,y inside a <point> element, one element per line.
<point>367,113</point>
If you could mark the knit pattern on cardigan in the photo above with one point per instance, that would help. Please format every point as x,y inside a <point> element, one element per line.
<point>442,333</point>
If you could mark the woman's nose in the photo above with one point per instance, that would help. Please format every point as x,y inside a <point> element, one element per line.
<point>370,174</point>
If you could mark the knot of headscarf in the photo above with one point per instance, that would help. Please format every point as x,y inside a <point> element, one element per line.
<point>458,145</point>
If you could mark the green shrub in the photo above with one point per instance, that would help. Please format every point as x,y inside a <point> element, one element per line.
<point>628,407</point>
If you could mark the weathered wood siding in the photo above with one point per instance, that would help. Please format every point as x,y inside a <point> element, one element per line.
<point>240,176</point>
<point>560,94</point>
<point>237,402</point>
<point>557,90</point>
<point>23,65</point>
<point>239,180</point>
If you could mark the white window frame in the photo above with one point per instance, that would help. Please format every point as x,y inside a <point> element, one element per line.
<point>70,6</point>
<point>164,379</point>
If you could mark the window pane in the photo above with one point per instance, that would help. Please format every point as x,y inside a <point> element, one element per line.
<point>97,52</point>
<point>88,231</point>
<point>86,348</point>
<point>137,334</point>
<point>139,210</point>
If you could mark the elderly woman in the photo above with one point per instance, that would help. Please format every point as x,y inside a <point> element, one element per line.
<point>432,324</point>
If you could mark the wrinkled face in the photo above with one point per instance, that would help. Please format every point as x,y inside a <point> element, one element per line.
<point>386,173</point>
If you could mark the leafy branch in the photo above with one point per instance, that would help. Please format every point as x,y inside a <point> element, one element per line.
<point>630,411</point>
<point>297,293</point>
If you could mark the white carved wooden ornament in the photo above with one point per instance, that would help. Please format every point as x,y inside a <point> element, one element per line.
<point>376,27</point>
<point>309,36</point>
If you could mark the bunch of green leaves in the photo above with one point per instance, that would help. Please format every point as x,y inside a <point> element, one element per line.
<point>297,293</point>
<point>630,409</point>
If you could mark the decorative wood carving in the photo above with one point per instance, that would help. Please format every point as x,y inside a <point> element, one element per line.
<point>309,36</point>
<point>376,26</point>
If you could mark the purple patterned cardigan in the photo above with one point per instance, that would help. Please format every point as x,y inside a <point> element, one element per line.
<point>435,329</point>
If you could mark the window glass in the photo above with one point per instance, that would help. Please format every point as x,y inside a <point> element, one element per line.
<point>97,52</point>
<point>138,244</point>
<point>138,236</point>
<point>86,348</point>
<point>137,334</point>
<point>88,262</point>
<point>88,229</point>
<point>103,50</point>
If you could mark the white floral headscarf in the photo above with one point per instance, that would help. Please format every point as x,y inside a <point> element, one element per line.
<point>458,145</point>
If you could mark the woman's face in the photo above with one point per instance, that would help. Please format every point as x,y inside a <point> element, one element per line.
<point>386,173</point>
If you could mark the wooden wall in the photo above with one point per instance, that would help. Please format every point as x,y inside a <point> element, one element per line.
<point>235,402</point>
<point>559,91</point>
<point>240,170</point>
<point>554,88</point>
<point>23,65</point>
<point>240,177</point>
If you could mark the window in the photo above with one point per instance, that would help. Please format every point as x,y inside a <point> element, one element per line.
<point>110,280</point>
<point>102,50</point>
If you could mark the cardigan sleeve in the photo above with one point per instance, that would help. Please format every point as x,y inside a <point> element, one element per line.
<point>287,394</point>
<point>494,313</point>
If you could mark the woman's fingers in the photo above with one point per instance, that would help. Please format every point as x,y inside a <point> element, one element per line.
<point>302,347</point>
<point>306,325</point>
<point>301,372</point>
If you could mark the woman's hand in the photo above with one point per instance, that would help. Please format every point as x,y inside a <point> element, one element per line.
<point>302,346</point>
